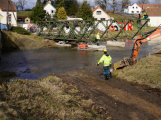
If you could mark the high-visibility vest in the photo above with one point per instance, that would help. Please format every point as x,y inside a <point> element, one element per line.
<point>97,36</point>
<point>106,59</point>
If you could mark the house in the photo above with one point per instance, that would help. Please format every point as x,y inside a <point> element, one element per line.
<point>49,9</point>
<point>23,17</point>
<point>154,13</point>
<point>12,13</point>
<point>132,9</point>
<point>100,14</point>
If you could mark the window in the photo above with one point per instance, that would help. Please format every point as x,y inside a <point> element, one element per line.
<point>95,18</point>
<point>133,7</point>
<point>9,18</point>
<point>132,11</point>
<point>52,11</point>
<point>102,18</point>
<point>98,12</point>
<point>137,11</point>
<point>136,7</point>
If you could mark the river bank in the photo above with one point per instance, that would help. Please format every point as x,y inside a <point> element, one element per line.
<point>81,94</point>
<point>13,41</point>
<point>84,94</point>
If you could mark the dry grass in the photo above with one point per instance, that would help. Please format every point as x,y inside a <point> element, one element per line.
<point>146,71</point>
<point>13,35</point>
<point>47,98</point>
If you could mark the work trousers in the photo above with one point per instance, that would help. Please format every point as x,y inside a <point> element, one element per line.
<point>98,41</point>
<point>106,70</point>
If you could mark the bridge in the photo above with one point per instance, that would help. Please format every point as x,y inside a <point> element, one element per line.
<point>85,30</point>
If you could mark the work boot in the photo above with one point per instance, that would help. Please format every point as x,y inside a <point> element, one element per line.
<point>106,77</point>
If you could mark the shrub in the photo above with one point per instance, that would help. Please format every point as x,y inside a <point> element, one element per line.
<point>20,30</point>
<point>61,13</point>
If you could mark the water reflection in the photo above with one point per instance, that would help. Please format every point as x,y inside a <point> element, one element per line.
<point>34,64</point>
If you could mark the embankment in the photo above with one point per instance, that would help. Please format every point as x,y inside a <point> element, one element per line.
<point>12,40</point>
<point>83,94</point>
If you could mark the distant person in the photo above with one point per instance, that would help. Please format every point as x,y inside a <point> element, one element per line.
<point>145,16</point>
<point>107,61</point>
<point>139,21</point>
<point>29,28</point>
<point>97,38</point>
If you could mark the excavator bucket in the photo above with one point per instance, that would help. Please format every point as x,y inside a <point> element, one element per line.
<point>123,63</point>
<point>118,64</point>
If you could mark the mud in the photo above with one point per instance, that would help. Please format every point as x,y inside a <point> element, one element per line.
<point>118,98</point>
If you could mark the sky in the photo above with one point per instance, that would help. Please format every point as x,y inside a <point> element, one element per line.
<point>31,3</point>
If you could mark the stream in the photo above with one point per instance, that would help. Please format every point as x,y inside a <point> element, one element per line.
<point>36,64</point>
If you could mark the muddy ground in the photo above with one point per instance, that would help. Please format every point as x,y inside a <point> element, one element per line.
<point>118,98</point>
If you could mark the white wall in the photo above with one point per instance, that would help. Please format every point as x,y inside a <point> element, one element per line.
<point>154,21</point>
<point>13,17</point>
<point>126,9</point>
<point>103,14</point>
<point>48,8</point>
<point>133,8</point>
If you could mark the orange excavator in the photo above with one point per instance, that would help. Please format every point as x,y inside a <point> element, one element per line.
<point>137,45</point>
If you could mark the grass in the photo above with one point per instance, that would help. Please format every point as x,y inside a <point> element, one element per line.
<point>13,35</point>
<point>116,16</point>
<point>146,71</point>
<point>47,98</point>
<point>23,13</point>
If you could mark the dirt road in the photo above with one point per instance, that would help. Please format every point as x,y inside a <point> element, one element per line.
<point>117,98</point>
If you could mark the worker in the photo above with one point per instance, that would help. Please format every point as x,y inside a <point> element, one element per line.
<point>145,16</point>
<point>97,38</point>
<point>107,61</point>
<point>29,28</point>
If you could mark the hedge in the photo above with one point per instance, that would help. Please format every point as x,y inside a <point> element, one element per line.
<point>20,30</point>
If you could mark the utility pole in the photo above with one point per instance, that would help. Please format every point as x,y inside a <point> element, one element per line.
<point>7,13</point>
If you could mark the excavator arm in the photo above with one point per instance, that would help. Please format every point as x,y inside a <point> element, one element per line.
<point>137,45</point>
<point>140,39</point>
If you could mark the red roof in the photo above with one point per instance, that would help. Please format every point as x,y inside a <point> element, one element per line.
<point>3,5</point>
<point>99,8</point>
<point>144,6</point>
<point>151,9</point>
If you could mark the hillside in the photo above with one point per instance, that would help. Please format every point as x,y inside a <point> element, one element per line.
<point>23,13</point>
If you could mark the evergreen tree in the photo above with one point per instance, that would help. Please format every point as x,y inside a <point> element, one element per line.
<point>61,13</point>
<point>74,9</point>
<point>38,13</point>
<point>69,5</point>
<point>60,3</point>
<point>85,12</point>
<point>44,2</point>
<point>38,1</point>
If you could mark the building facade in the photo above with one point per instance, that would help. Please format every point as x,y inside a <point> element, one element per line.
<point>100,14</point>
<point>50,9</point>
<point>154,13</point>
<point>132,9</point>
<point>12,13</point>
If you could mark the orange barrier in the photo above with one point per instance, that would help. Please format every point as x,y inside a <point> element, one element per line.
<point>112,28</point>
<point>83,46</point>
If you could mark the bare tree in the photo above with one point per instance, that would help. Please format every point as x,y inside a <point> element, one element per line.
<point>157,1</point>
<point>143,1</point>
<point>125,2</point>
<point>114,4</point>
<point>16,5</point>
<point>102,3</point>
<point>22,3</point>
